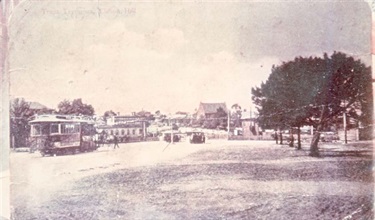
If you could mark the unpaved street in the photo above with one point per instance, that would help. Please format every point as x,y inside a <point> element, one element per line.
<point>216,180</point>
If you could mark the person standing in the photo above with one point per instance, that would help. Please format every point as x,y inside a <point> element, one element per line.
<point>276,138</point>
<point>115,141</point>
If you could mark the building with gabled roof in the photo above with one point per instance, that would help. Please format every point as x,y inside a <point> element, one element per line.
<point>207,110</point>
<point>36,106</point>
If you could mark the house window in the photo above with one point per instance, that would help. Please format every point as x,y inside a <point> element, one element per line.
<point>133,131</point>
<point>140,131</point>
<point>117,132</point>
<point>122,132</point>
<point>128,132</point>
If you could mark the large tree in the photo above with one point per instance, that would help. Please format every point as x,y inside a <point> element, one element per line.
<point>109,113</point>
<point>316,91</point>
<point>76,107</point>
<point>20,113</point>
<point>236,115</point>
<point>218,120</point>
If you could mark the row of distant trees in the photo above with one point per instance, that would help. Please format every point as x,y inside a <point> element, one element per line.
<point>219,120</point>
<point>315,91</point>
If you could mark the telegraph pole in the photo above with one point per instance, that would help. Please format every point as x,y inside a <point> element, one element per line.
<point>345,124</point>
<point>345,129</point>
<point>171,129</point>
<point>228,123</point>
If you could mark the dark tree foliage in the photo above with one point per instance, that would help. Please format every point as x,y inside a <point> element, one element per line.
<point>236,115</point>
<point>76,107</point>
<point>222,116</point>
<point>20,114</point>
<point>315,91</point>
<point>199,122</point>
<point>109,113</point>
<point>218,120</point>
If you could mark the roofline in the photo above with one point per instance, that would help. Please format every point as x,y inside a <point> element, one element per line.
<point>61,118</point>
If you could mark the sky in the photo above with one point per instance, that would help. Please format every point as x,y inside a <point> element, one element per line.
<point>171,56</point>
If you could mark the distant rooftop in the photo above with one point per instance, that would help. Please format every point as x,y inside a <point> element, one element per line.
<point>210,108</point>
<point>37,106</point>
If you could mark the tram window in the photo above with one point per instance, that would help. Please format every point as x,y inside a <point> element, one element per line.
<point>69,128</point>
<point>45,129</point>
<point>39,129</point>
<point>54,129</point>
<point>36,130</point>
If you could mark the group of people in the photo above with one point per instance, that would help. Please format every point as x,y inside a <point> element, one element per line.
<point>103,138</point>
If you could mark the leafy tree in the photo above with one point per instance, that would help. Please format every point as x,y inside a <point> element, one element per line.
<point>20,113</point>
<point>76,107</point>
<point>236,115</point>
<point>315,91</point>
<point>65,107</point>
<point>147,115</point>
<point>199,122</point>
<point>109,113</point>
<point>218,120</point>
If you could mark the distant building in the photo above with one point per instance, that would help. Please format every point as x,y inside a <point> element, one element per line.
<point>207,110</point>
<point>143,113</point>
<point>125,127</point>
<point>130,132</point>
<point>181,113</point>
<point>36,106</point>
<point>250,128</point>
<point>180,118</point>
<point>123,119</point>
<point>100,121</point>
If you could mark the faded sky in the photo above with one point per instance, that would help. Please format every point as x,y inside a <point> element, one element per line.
<point>170,56</point>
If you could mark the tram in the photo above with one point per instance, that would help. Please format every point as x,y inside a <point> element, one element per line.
<point>62,134</point>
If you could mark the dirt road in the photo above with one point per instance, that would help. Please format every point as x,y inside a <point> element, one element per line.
<point>220,179</point>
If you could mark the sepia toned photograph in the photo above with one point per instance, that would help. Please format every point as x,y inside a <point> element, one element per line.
<point>186,110</point>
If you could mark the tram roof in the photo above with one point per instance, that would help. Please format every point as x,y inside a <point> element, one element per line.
<point>62,118</point>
